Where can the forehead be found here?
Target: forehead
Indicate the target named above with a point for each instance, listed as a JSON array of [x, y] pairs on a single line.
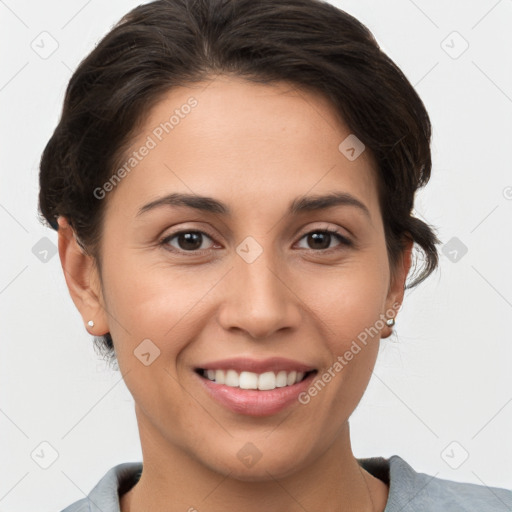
[[243, 141]]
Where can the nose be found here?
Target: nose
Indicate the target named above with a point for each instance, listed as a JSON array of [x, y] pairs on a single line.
[[258, 298]]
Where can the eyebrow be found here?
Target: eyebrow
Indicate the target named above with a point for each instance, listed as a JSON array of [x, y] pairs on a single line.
[[298, 205]]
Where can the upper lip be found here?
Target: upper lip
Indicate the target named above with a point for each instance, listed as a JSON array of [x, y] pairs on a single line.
[[257, 366]]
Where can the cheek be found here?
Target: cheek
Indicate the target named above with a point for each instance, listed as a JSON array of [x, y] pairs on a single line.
[[347, 300], [154, 315], [158, 302]]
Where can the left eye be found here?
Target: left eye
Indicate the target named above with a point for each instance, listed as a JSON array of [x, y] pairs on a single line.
[[187, 240], [322, 239]]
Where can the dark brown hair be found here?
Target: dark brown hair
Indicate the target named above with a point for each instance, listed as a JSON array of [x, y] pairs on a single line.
[[168, 43]]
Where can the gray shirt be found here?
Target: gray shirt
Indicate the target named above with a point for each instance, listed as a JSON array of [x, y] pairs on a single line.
[[409, 491]]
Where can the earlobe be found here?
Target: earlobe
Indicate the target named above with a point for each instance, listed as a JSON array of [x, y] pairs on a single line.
[[82, 280]]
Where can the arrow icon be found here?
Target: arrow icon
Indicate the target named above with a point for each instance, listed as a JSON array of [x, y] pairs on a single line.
[[146, 352], [454, 249], [454, 45], [351, 147], [249, 253], [44, 250], [44, 455]]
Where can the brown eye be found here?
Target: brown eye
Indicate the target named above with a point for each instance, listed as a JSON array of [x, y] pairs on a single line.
[[321, 239], [188, 241]]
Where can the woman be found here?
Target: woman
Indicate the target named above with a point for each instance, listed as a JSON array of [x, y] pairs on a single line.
[[232, 184]]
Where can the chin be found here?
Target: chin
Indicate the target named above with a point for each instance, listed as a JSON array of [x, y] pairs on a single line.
[[263, 469]]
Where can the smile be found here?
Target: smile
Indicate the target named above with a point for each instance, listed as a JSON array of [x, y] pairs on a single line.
[[249, 380]]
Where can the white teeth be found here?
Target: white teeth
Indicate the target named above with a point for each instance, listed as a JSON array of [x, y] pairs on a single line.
[[232, 379], [267, 381], [281, 379], [220, 376], [249, 380], [291, 379]]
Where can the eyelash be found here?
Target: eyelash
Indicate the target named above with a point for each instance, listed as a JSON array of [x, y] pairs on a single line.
[[344, 241]]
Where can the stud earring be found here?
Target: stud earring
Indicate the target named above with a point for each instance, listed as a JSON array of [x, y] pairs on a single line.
[[390, 322], [90, 323]]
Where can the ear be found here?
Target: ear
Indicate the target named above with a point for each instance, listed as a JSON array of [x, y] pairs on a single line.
[[82, 279], [396, 290]]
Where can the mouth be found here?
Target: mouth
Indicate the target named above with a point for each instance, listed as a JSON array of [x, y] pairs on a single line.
[[255, 388], [266, 381]]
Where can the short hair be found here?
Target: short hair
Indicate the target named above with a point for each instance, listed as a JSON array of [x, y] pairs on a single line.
[[168, 43]]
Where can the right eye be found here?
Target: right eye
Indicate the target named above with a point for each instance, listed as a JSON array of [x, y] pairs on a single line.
[[187, 241]]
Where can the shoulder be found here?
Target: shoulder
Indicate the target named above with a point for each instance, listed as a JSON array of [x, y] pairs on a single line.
[[419, 492], [104, 497]]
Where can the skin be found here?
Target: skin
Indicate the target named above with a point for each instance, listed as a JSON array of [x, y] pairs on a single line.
[[256, 148]]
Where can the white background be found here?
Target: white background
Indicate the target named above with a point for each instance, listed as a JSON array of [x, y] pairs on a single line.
[[444, 376]]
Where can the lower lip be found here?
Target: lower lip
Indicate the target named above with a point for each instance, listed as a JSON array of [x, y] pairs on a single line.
[[253, 402]]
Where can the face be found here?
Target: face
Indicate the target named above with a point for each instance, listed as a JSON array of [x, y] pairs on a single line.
[[259, 279]]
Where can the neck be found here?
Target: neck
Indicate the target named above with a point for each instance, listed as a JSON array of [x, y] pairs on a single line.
[[173, 480]]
